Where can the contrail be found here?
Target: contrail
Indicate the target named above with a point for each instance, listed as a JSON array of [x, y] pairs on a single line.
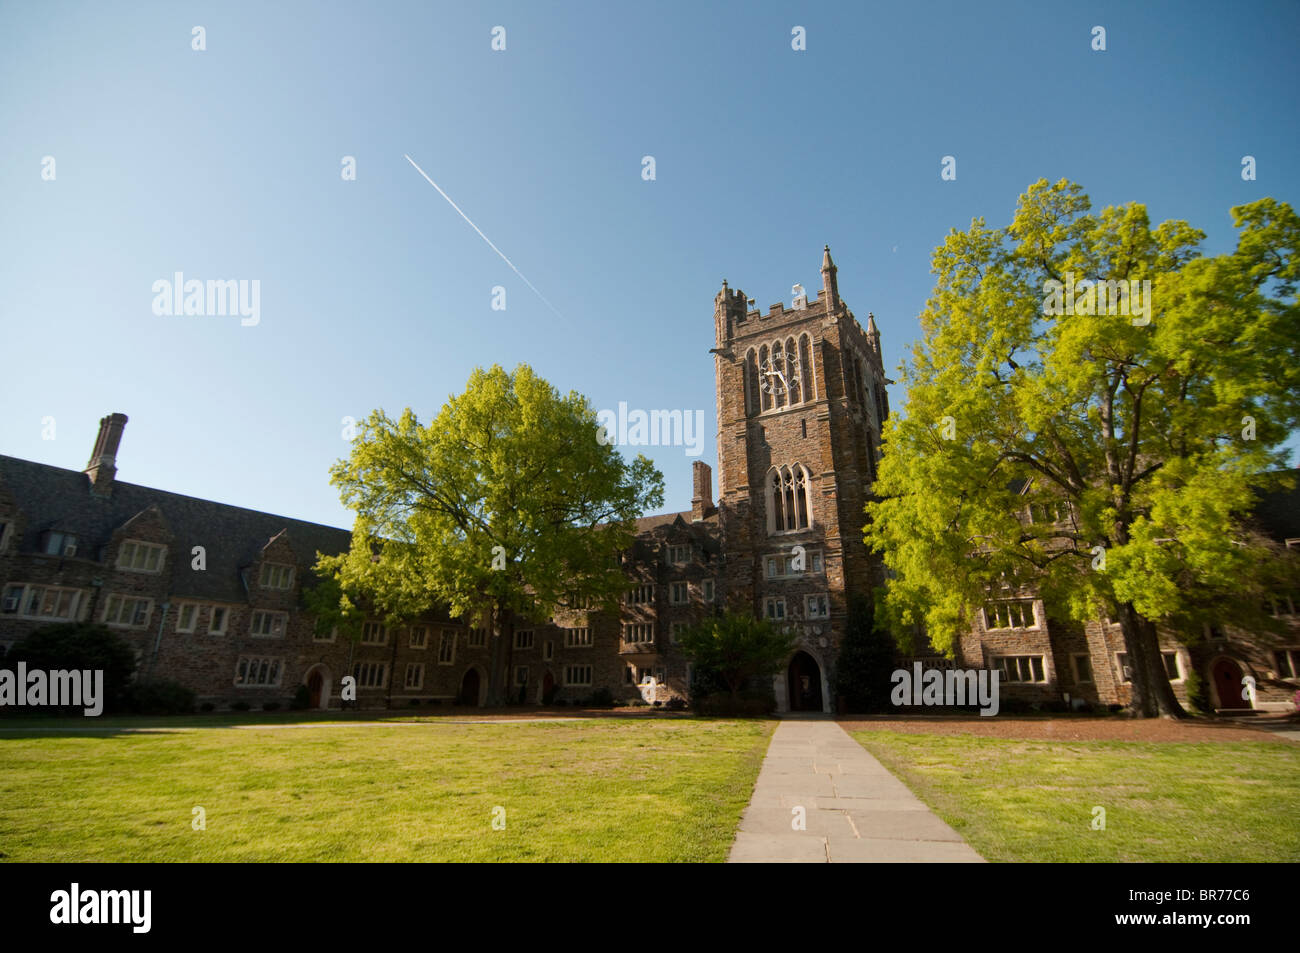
[[484, 237]]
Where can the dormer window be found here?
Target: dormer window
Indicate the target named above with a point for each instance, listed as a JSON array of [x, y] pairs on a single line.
[[60, 544], [276, 576], [135, 556]]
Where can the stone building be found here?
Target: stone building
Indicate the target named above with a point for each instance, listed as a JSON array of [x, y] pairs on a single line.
[[210, 595]]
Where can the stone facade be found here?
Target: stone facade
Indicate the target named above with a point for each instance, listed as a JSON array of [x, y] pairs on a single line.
[[211, 595]]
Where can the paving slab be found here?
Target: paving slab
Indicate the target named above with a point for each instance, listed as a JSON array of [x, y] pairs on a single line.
[[854, 809]]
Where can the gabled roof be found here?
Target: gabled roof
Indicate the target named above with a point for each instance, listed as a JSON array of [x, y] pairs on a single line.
[[232, 537]]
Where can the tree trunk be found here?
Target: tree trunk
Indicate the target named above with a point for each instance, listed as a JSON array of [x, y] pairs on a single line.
[[1153, 696], [496, 676]]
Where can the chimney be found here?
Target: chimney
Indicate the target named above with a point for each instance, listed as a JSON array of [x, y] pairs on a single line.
[[102, 467], [702, 502]]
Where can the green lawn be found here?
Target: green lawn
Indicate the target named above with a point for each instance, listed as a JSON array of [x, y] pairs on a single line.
[[594, 790], [1033, 801]]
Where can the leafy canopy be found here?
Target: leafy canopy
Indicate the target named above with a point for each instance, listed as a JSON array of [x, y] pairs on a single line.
[[506, 499], [1157, 433]]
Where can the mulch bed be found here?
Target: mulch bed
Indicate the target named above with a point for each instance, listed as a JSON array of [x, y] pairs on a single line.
[[1077, 728]]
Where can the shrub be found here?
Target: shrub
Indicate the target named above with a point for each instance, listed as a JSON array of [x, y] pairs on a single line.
[[602, 698], [676, 704], [80, 645], [301, 698], [207, 706], [159, 697], [240, 706], [1198, 692], [561, 702], [271, 706], [866, 662]]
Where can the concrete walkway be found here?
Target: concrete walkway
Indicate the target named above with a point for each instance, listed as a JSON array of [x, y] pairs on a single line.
[[853, 808]]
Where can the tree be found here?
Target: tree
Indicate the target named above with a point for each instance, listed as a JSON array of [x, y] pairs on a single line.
[[734, 648], [509, 503], [1049, 375], [866, 662], [83, 646]]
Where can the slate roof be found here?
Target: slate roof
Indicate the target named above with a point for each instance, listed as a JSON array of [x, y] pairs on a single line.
[[54, 498]]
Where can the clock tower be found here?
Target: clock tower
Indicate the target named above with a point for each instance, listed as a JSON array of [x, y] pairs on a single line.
[[801, 399]]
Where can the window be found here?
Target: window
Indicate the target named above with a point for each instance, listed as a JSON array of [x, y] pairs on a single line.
[[217, 620], [374, 633], [1283, 604], [783, 565], [419, 636], [630, 675], [127, 611], [706, 588], [574, 600], [370, 674], [268, 625], [638, 632], [677, 629], [641, 595], [187, 617], [577, 638], [521, 674], [140, 557], [548, 650], [775, 608], [42, 602], [1287, 662], [276, 576], [679, 593], [321, 634], [253, 671], [1021, 668], [1170, 660], [1015, 614], [477, 638], [414, 675], [577, 675], [1082, 669], [524, 639], [1215, 633], [60, 544], [789, 499], [1171, 665], [819, 606], [677, 555], [447, 647]]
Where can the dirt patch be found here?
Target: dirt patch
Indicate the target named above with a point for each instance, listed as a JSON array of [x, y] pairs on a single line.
[[1079, 728]]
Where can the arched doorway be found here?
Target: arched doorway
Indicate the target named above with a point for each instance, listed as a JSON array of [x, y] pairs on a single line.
[[804, 681], [548, 688], [469, 688], [317, 680], [1226, 675]]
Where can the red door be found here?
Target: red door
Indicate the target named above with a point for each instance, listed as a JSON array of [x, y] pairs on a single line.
[[1227, 682], [314, 685]]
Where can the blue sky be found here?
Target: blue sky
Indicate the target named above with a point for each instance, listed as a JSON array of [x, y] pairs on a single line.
[[225, 164]]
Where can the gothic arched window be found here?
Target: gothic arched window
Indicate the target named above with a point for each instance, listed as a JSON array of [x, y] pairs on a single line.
[[794, 372], [789, 499], [751, 383], [765, 382], [806, 368]]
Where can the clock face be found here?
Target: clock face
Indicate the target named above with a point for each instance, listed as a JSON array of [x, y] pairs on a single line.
[[777, 381]]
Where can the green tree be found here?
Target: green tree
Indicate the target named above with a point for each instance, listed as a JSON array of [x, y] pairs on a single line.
[[79, 645], [733, 648], [509, 503], [1155, 429], [866, 661]]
